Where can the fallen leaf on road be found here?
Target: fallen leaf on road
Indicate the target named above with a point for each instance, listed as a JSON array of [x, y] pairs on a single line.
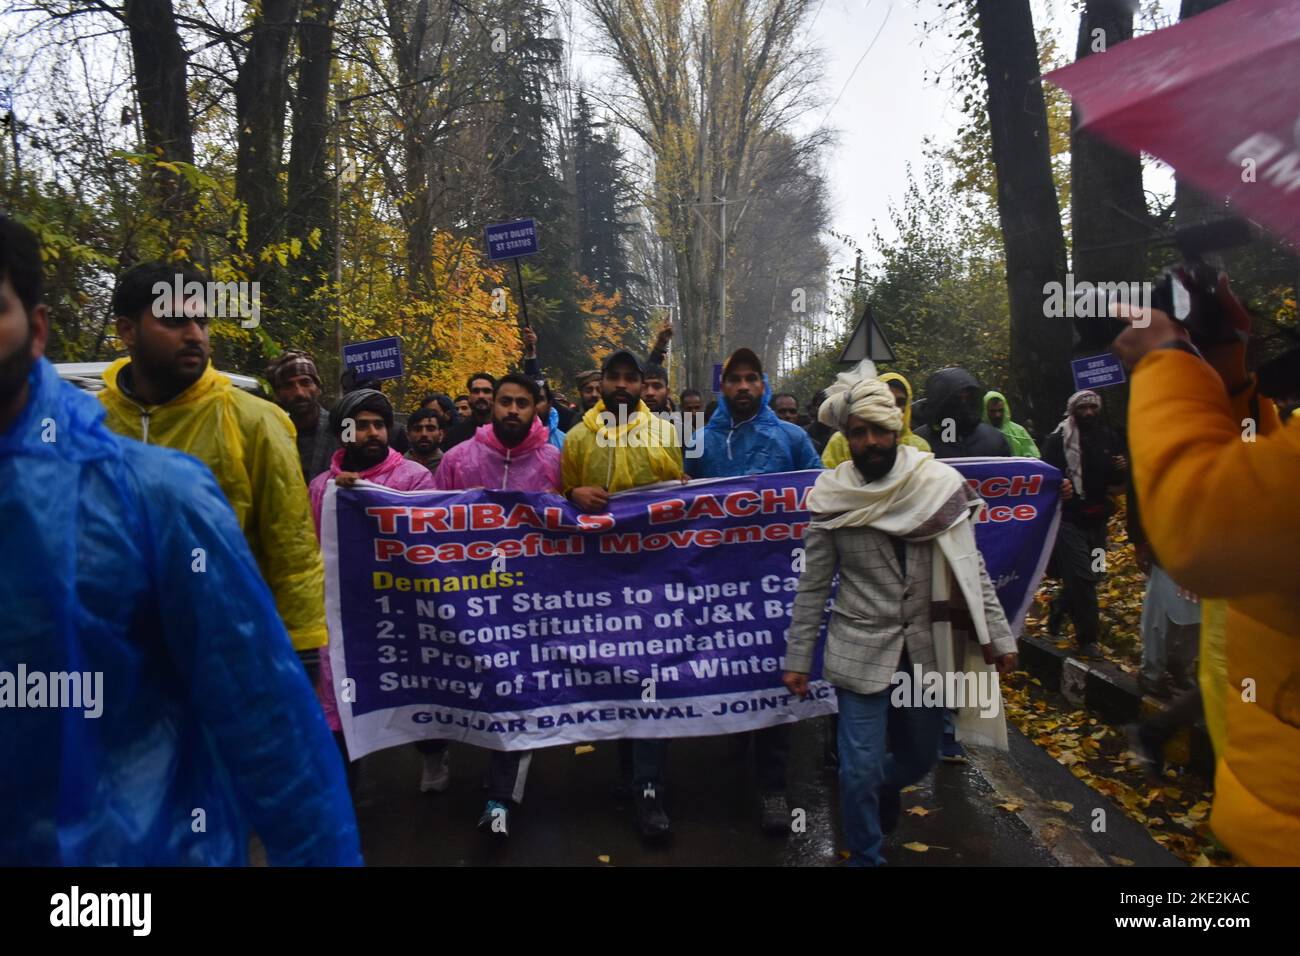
[[921, 847], [1011, 806], [603, 858], [1120, 861], [584, 749], [919, 811], [909, 788], [1061, 805]]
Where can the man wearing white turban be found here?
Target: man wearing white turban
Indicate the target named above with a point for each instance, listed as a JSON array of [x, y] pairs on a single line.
[[897, 524]]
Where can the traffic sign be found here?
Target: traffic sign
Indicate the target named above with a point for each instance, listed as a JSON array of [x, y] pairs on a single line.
[[867, 341]]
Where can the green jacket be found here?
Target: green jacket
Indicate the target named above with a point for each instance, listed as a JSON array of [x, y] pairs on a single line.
[[1022, 445]]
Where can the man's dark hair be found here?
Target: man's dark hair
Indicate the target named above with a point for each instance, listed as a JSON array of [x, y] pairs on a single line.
[[20, 260], [419, 415], [657, 372], [523, 381], [135, 288], [815, 403], [463, 398], [469, 382], [788, 395], [692, 391]]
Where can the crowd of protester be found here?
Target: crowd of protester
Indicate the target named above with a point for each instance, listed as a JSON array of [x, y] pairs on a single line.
[[173, 452]]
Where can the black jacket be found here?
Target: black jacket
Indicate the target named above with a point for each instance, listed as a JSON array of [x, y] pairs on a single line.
[[984, 442], [1098, 449]]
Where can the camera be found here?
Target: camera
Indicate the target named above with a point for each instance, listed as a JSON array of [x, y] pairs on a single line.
[[1188, 292]]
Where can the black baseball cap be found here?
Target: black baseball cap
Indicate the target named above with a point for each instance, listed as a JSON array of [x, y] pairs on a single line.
[[623, 355]]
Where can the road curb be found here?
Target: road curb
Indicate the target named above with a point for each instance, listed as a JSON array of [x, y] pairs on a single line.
[[1108, 693]]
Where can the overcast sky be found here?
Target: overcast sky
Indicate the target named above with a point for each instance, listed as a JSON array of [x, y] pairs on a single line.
[[877, 59]]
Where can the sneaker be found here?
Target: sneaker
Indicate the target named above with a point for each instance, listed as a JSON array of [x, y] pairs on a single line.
[[495, 819], [774, 813], [1159, 689], [1149, 756], [950, 751], [651, 820], [891, 807], [437, 772], [1055, 618], [1092, 650]]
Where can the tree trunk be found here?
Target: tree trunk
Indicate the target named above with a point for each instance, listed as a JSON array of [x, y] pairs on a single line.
[[1108, 205], [1191, 205], [260, 93], [161, 84], [1027, 206], [310, 196]]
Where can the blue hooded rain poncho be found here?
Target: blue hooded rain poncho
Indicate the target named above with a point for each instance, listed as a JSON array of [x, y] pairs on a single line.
[[125, 560], [763, 445]]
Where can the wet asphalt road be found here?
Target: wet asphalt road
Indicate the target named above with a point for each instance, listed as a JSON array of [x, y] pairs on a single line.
[[571, 818]]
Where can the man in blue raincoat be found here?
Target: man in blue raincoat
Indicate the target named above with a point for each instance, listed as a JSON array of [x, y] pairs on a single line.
[[745, 437], [152, 708]]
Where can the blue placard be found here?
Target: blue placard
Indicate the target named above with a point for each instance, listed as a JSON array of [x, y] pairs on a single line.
[[717, 377], [1097, 371], [376, 359], [507, 240]]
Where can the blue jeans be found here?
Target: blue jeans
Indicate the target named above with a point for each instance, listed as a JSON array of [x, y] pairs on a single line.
[[866, 722]]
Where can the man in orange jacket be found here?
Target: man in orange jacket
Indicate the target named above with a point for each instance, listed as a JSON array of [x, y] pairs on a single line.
[[1215, 471]]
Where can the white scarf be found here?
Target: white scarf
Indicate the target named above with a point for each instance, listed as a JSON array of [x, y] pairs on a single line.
[[923, 499], [1070, 437]]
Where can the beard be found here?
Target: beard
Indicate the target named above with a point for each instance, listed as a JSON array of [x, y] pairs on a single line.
[[164, 368], [619, 399], [15, 369], [365, 455], [875, 465], [511, 433]]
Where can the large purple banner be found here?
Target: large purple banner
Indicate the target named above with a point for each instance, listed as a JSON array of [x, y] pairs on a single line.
[[512, 621]]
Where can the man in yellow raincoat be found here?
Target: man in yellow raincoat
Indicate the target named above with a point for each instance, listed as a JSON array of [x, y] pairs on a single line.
[[167, 393], [617, 445], [1215, 471]]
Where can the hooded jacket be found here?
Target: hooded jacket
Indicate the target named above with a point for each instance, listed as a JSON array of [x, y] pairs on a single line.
[[556, 436], [1021, 442], [204, 702], [837, 449], [643, 451], [1223, 519], [397, 472], [250, 445], [762, 445], [483, 462], [984, 441]]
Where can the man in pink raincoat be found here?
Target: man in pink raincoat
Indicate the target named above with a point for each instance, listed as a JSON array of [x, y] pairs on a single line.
[[511, 452], [362, 420]]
